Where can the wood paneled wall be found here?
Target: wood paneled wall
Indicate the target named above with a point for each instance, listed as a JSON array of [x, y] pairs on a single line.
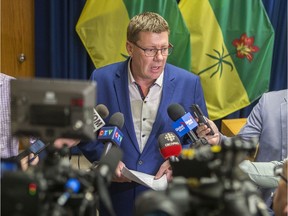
[[17, 38]]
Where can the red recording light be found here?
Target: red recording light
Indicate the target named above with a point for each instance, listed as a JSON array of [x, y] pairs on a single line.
[[32, 189], [77, 102]]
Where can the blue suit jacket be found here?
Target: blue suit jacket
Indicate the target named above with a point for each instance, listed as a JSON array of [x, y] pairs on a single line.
[[179, 86]]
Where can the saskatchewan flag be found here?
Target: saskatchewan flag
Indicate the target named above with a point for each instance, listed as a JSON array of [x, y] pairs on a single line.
[[103, 24], [231, 49]]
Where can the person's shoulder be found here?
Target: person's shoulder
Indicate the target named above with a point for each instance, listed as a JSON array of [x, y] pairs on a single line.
[[276, 94], [177, 71], [175, 68], [110, 68], [113, 65], [273, 99], [6, 77]]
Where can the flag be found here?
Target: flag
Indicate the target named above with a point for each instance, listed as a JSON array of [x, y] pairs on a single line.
[[103, 24], [231, 51]]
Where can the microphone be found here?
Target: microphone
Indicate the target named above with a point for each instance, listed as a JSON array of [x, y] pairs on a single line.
[[183, 123], [108, 164], [170, 147], [71, 186], [100, 112], [111, 135], [104, 173]]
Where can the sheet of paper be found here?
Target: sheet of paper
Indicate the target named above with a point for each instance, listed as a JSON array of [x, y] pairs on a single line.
[[146, 179]]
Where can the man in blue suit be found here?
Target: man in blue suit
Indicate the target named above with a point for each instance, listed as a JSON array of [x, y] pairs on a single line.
[[142, 88]]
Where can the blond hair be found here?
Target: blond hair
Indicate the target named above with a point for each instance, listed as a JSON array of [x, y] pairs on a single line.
[[146, 22]]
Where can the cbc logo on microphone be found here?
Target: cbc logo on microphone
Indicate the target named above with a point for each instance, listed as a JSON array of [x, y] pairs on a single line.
[[169, 137]]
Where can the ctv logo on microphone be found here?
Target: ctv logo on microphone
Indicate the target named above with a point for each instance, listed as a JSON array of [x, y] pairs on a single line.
[[184, 124], [110, 134]]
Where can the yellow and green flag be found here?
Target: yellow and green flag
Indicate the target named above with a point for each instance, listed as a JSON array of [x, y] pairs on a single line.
[[231, 50], [228, 43], [103, 24]]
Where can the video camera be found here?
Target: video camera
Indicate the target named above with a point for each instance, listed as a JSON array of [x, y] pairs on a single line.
[[207, 182], [50, 109], [53, 188]]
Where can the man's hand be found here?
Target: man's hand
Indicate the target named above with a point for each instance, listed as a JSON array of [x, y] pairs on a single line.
[[59, 143], [118, 177], [165, 168], [203, 130], [28, 161]]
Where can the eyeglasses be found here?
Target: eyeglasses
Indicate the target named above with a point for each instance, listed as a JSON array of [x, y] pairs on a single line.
[[153, 52], [278, 171]]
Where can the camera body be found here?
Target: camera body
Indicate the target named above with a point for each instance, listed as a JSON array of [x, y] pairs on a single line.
[[36, 191], [54, 188], [207, 182], [53, 108], [29, 189]]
